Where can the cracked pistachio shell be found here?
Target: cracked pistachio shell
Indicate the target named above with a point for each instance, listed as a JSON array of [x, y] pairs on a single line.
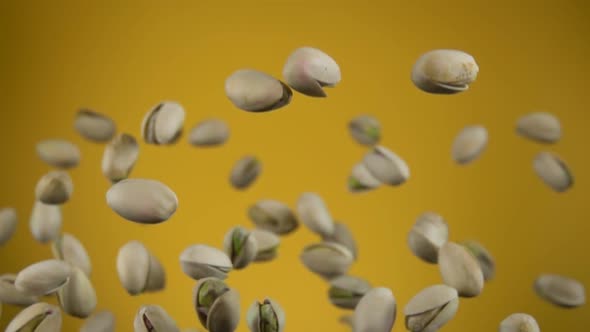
[[211, 132], [365, 130], [444, 71], [273, 216], [163, 124], [142, 201], [153, 318], [9, 294], [314, 214], [68, 248], [386, 166], [429, 233], [59, 153], [101, 321], [244, 172], [266, 316], [519, 323], [562, 291], [361, 179], [43, 278], [267, 244], [484, 258], [39, 317], [240, 247], [216, 305], [77, 297], [201, 261], [93, 126], [254, 91], [308, 70], [346, 291], [375, 312], [542, 127], [139, 271], [54, 188], [469, 144], [432, 308], [553, 171], [8, 221], [45, 222], [119, 157], [460, 270], [343, 236], [327, 259]]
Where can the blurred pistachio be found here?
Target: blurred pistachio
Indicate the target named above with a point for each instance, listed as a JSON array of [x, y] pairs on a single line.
[[59, 153], [38, 317], [560, 290], [266, 316], [327, 259], [460, 270], [202, 261], [240, 247], [139, 271], [343, 236], [542, 127], [314, 214], [346, 291], [216, 305], [208, 133], [429, 233], [254, 91], [308, 70], [365, 130], [119, 157], [8, 221], [267, 244], [101, 321], [432, 308], [386, 166], [469, 144], [375, 312], [77, 297], [484, 258], [273, 216], [244, 172], [94, 126], [43, 278], [554, 172], [361, 179], [9, 294], [153, 318], [45, 222], [163, 124], [519, 323], [68, 248]]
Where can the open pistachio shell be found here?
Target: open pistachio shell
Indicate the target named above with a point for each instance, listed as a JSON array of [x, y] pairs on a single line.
[[562, 291], [217, 305], [542, 127], [101, 321], [346, 291], [245, 172], [519, 323], [432, 308], [444, 71], [273, 216], [162, 125], [375, 312], [484, 258], [55, 187], [59, 153], [119, 157], [327, 259], [77, 297], [38, 317], [68, 248], [429, 233], [365, 129], [94, 126], [361, 179], [9, 294], [44, 277], [45, 222], [314, 214], [240, 247], [343, 236], [8, 221], [308, 70], [202, 261], [386, 166], [267, 244], [266, 316], [554, 172], [211, 132], [469, 144], [153, 318], [460, 270], [254, 91]]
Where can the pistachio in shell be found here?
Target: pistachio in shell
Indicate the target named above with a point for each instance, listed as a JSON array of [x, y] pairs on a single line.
[[541, 127], [484, 258], [314, 214], [431, 308], [386, 166], [38, 317], [68, 248], [428, 234], [43, 278], [327, 259], [9, 294], [45, 222], [254, 91], [217, 306], [77, 297], [153, 318], [273, 216], [519, 322], [361, 179], [54, 188], [365, 130], [244, 172], [469, 144], [343, 236], [201, 261], [101, 321], [240, 247], [444, 71], [553, 171], [209, 133], [163, 124], [94, 126], [460, 270], [119, 157], [560, 290], [59, 153], [266, 316], [267, 243], [375, 312], [139, 271], [346, 291], [8, 221], [308, 70]]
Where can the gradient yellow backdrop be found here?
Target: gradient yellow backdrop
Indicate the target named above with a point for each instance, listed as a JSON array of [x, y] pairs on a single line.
[[121, 58]]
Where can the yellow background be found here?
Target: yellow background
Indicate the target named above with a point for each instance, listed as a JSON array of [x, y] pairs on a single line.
[[122, 58]]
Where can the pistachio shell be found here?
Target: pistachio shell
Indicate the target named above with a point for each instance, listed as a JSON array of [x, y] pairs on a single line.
[[427, 235], [519, 323], [153, 318], [245, 172], [361, 179], [68, 248], [469, 144], [267, 244], [211, 132], [386, 166], [432, 308], [101, 321], [542, 127], [59, 153], [266, 316], [9, 294], [365, 130], [119, 157], [460, 270], [133, 266], [273, 216], [328, 260], [309, 69], [346, 291], [54, 188], [39, 317], [202, 261], [162, 125], [254, 91], [343, 236], [77, 297], [554, 172], [156, 277], [444, 71], [375, 312], [43, 278], [94, 126], [314, 214], [240, 247], [485, 260], [217, 305], [142, 201], [560, 290], [8, 221], [45, 222]]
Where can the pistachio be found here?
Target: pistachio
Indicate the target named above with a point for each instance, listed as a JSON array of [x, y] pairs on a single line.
[[375, 312], [314, 214], [211, 132], [343, 236], [346, 291], [460, 270], [273, 216], [365, 130], [119, 157], [361, 179], [485, 260], [162, 125], [444, 71], [43, 278], [45, 222], [9, 294], [8, 221], [542, 127], [68, 248], [94, 126], [469, 144], [267, 244], [562, 291], [216, 305], [327, 259], [254, 91], [202, 261], [308, 70], [153, 318], [432, 308], [54, 188], [245, 172], [240, 247], [142, 201], [427, 235], [266, 316], [101, 321], [386, 166], [77, 297], [554, 172], [519, 323], [59, 153], [139, 271], [38, 317]]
